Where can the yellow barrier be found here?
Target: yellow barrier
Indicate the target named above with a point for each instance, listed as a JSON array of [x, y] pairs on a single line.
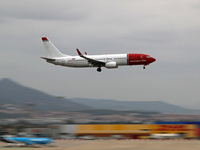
[[188, 131]]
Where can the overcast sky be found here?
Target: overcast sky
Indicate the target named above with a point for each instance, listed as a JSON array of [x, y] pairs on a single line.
[[168, 30]]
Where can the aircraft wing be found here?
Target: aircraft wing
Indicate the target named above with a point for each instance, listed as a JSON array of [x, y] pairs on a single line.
[[93, 62]]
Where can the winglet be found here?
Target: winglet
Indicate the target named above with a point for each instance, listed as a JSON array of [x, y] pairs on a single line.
[[44, 39], [79, 53]]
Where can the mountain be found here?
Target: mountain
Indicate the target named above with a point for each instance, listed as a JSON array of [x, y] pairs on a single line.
[[14, 93], [156, 106]]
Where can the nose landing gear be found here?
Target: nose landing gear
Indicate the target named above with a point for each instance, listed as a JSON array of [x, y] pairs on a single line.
[[99, 69], [144, 67]]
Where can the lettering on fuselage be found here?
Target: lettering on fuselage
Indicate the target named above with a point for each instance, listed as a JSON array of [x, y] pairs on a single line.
[[171, 128], [136, 59]]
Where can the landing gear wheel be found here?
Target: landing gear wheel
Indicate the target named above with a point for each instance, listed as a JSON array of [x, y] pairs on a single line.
[[144, 67], [99, 69]]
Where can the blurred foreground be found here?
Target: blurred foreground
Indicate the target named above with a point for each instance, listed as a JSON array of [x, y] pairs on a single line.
[[120, 144], [105, 127], [25, 112], [99, 124]]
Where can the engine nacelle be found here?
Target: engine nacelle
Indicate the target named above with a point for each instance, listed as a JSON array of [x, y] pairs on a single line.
[[111, 65]]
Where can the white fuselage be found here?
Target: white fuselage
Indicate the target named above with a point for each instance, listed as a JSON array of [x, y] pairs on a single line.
[[77, 61]]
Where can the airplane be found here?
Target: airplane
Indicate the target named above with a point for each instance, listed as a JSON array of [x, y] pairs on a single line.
[[26, 140], [108, 61]]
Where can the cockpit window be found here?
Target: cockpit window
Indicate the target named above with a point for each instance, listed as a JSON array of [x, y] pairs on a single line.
[[148, 56]]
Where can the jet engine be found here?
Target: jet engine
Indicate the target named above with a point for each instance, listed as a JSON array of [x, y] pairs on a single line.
[[111, 65]]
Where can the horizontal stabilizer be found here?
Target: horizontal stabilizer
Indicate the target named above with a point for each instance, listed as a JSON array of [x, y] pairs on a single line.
[[48, 59]]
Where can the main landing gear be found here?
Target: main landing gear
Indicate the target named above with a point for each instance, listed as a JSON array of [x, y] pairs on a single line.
[[99, 69], [144, 67]]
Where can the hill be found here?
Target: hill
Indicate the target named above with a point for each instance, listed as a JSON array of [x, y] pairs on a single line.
[[14, 93], [156, 106]]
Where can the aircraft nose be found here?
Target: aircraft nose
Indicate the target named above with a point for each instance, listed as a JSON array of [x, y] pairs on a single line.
[[153, 59]]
